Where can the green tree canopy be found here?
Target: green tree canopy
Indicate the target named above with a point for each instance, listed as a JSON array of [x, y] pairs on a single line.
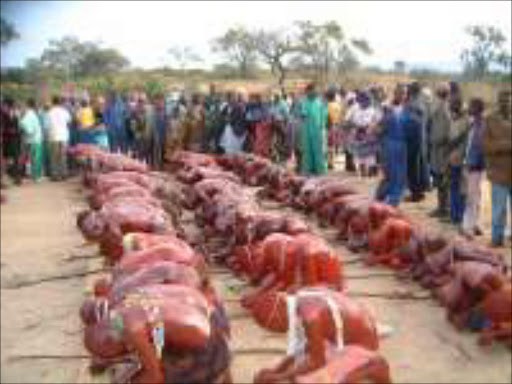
[[487, 50], [8, 32], [74, 58]]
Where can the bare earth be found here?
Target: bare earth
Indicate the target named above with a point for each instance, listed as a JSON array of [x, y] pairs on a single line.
[[38, 232]]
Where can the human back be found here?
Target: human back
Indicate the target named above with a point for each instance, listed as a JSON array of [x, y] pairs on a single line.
[[58, 119]]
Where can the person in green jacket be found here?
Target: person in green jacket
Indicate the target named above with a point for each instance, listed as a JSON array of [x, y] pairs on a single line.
[[313, 133], [33, 136]]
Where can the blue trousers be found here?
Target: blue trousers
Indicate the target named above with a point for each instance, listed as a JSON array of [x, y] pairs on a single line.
[[395, 172], [414, 165], [499, 196], [457, 199]]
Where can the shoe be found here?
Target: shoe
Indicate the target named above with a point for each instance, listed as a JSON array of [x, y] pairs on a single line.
[[477, 231], [466, 234], [438, 213], [496, 244], [415, 198]]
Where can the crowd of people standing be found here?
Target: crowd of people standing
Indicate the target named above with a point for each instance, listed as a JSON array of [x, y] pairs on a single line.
[[415, 139]]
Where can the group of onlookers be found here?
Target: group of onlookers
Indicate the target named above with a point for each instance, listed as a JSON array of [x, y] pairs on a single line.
[[415, 138]]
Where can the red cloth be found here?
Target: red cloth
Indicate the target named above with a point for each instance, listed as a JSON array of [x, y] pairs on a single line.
[[262, 138]]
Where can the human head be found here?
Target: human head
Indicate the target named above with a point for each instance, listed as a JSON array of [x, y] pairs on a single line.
[[8, 102], [442, 91], [56, 100], [363, 99], [398, 94], [454, 89], [196, 99], [100, 338], [456, 106], [92, 224], [330, 95], [311, 89], [84, 103], [476, 107], [31, 103], [413, 90]]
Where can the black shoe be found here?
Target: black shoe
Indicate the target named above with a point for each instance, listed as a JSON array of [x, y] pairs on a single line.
[[415, 198], [478, 232], [440, 213], [496, 244]]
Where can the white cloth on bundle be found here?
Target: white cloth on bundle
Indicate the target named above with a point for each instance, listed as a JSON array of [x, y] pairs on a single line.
[[296, 337], [230, 142]]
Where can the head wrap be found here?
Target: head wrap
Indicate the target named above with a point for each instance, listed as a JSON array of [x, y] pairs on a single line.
[[363, 98]]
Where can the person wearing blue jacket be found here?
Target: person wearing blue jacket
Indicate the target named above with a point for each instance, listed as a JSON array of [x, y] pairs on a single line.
[[394, 151]]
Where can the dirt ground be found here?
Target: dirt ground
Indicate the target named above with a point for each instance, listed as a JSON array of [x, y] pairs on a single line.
[[38, 233]]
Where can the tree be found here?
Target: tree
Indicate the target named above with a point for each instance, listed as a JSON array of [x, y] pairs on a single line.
[[238, 46], [75, 59], [399, 66], [14, 75], [183, 55], [274, 47], [8, 32], [63, 55], [96, 61], [488, 49], [325, 49]]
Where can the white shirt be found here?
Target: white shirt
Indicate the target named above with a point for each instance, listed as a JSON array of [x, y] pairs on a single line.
[[363, 117], [58, 120]]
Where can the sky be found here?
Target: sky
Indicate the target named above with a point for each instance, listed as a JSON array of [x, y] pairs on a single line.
[[421, 33]]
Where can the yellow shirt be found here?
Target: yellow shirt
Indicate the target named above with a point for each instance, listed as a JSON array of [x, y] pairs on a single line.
[[86, 117], [334, 112]]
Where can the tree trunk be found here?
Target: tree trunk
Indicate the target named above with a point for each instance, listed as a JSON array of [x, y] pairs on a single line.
[[282, 76]]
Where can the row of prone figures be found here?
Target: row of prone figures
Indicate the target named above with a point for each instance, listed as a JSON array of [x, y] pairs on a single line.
[[472, 281], [158, 313], [296, 279], [155, 316]]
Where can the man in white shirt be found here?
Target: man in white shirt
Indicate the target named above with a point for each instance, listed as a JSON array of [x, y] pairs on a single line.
[[58, 135]]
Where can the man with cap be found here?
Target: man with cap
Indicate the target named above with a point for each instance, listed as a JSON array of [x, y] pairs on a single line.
[[497, 143]]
